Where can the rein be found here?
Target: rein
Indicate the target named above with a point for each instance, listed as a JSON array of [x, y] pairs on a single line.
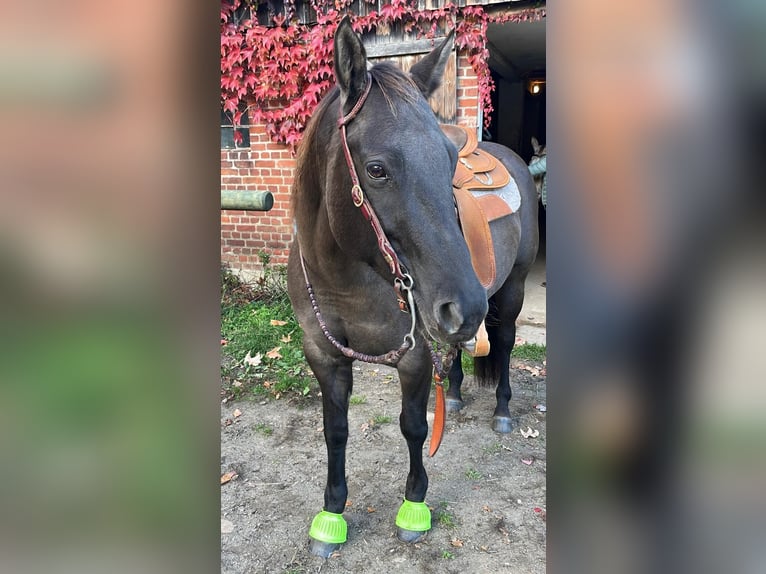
[[403, 286]]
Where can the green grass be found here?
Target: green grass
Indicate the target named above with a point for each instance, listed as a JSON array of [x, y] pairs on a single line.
[[530, 351], [493, 448], [447, 555], [261, 322], [263, 429], [381, 419], [444, 517], [357, 400], [473, 474]]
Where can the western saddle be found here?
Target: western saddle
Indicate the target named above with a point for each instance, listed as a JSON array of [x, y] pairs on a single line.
[[479, 171]]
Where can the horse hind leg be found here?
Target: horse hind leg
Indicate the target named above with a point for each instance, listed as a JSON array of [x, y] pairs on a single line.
[[328, 529], [495, 368], [414, 518], [454, 399]]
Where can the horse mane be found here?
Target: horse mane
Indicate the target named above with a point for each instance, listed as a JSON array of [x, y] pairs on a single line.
[[395, 85]]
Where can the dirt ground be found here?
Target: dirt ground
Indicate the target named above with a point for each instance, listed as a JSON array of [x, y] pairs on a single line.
[[487, 501]]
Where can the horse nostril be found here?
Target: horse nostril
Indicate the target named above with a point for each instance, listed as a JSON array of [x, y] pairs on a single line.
[[450, 317]]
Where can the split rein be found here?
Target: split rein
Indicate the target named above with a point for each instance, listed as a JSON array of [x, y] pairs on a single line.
[[403, 286]]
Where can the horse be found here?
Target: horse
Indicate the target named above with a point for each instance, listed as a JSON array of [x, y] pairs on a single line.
[[377, 234], [538, 169]]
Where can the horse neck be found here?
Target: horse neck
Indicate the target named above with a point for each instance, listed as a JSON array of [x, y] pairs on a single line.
[[315, 235]]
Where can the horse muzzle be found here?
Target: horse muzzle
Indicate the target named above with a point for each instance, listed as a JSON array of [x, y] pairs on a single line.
[[457, 320]]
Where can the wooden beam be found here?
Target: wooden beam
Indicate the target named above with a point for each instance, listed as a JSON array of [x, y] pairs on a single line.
[[402, 48]]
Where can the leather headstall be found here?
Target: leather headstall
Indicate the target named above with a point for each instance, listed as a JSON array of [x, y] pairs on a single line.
[[402, 279]]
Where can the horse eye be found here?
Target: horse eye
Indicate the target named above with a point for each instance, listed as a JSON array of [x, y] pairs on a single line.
[[376, 171]]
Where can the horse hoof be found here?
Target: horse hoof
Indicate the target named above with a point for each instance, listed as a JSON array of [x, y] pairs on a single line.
[[322, 549], [410, 536], [413, 521], [454, 405], [502, 425], [328, 531]]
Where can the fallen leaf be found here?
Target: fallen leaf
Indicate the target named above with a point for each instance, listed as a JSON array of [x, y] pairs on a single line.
[[348, 503], [529, 433], [534, 371], [486, 508], [224, 342], [267, 384], [227, 476], [456, 542], [528, 461], [278, 323], [278, 395], [228, 422], [236, 384], [253, 361], [370, 509], [538, 509], [274, 353], [236, 413], [484, 548], [227, 526], [287, 338]]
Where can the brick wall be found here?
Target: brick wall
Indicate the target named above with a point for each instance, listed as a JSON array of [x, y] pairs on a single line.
[[264, 166], [467, 93], [267, 166]]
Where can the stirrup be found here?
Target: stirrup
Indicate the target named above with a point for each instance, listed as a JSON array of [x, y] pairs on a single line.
[[478, 346]]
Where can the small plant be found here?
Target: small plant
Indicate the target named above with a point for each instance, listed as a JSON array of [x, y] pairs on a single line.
[[466, 361], [263, 429], [530, 351], [381, 419], [261, 338], [447, 555], [357, 399], [493, 448], [473, 474], [444, 517]]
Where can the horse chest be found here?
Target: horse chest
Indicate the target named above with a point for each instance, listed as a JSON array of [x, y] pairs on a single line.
[[369, 317]]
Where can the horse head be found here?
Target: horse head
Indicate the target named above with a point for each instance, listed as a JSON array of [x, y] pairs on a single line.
[[404, 164]]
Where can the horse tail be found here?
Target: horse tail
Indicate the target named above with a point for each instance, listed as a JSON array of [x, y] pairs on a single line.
[[486, 370]]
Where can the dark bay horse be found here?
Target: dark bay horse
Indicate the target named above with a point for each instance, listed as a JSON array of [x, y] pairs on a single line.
[[377, 233]]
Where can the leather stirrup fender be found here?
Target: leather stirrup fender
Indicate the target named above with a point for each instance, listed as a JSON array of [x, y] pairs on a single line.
[[477, 236]]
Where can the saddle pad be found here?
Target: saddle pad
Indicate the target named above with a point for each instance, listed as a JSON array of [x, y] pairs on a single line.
[[509, 195]]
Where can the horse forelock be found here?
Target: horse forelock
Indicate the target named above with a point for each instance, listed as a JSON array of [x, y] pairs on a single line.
[[394, 84]]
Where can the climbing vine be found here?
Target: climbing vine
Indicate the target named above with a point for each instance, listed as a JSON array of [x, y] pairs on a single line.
[[279, 70]]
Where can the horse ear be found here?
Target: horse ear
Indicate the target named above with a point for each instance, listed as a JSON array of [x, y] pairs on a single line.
[[535, 145], [350, 63], [428, 72]]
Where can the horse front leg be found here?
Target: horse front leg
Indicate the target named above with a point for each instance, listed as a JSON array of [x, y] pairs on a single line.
[[328, 529], [414, 518]]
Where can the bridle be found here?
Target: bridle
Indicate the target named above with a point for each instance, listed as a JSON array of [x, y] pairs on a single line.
[[403, 284]]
